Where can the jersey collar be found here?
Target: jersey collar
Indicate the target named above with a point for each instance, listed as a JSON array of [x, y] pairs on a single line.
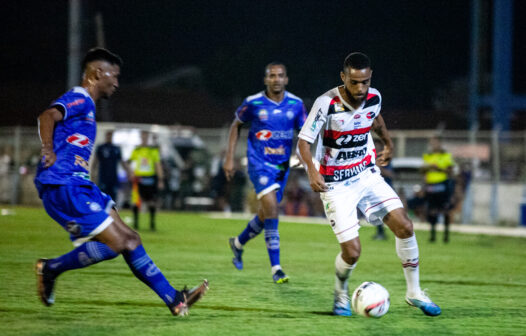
[[82, 91], [344, 102], [285, 94]]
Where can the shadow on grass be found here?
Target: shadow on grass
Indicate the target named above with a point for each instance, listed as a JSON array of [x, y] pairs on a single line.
[[282, 313]]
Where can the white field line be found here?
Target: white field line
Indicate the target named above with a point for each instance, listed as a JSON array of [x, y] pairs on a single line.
[[461, 228]]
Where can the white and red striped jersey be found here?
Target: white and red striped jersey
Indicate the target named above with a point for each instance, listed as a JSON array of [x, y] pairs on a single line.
[[345, 146]]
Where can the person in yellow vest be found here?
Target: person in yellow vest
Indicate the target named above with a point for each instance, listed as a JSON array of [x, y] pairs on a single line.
[[438, 170], [148, 178]]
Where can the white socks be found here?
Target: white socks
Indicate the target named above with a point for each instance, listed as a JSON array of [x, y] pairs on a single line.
[[237, 244], [343, 272], [407, 250]]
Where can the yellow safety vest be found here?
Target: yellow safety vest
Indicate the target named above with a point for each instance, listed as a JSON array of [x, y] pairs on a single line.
[[442, 160]]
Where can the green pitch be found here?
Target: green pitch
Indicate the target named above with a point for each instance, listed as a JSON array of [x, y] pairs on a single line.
[[479, 281]]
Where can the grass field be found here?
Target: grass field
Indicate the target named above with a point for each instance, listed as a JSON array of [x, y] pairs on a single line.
[[479, 281]]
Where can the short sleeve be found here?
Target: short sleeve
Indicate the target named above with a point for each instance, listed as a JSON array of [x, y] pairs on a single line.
[[315, 121], [244, 112]]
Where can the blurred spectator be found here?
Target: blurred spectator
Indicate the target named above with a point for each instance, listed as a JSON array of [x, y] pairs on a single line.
[[148, 178], [295, 199], [107, 158], [5, 163], [438, 169], [417, 203]]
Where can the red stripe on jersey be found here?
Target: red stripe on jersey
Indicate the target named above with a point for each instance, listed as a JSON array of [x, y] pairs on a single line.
[[329, 170], [335, 100], [370, 95], [335, 134]]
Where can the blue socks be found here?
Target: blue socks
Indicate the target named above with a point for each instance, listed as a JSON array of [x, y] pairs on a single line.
[[253, 228], [145, 270], [85, 255], [272, 240]]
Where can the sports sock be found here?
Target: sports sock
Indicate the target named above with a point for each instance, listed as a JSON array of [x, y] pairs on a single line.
[[152, 217], [407, 250], [85, 255], [253, 228], [272, 240], [135, 217], [145, 270], [342, 274]]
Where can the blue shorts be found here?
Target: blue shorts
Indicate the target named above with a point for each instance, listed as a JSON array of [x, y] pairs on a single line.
[[83, 211], [267, 178]]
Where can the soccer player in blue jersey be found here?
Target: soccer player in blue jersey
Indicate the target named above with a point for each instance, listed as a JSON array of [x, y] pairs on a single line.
[[67, 130], [274, 115]]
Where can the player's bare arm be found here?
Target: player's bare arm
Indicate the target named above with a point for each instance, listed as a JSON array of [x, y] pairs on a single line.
[[233, 136], [315, 179], [380, 129], [46, 125]]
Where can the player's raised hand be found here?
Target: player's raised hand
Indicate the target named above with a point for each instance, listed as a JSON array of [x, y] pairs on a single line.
[[384, 157], [316, 181], [48, 156], [228, 168]]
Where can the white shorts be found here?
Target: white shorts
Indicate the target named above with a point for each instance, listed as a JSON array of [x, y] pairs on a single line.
[[370, 193]]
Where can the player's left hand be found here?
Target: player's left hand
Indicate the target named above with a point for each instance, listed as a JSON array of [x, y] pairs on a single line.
[[384, 157]]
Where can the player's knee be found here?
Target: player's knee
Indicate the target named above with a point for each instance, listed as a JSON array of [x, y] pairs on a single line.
[[132, 240]]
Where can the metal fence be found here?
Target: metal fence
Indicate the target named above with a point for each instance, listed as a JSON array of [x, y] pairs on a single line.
[[496, 161]]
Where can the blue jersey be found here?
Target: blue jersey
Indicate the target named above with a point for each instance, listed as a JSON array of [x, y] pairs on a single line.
[[272, 127], [73, 140]]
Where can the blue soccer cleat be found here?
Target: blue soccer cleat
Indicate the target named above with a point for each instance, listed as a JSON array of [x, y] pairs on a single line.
[[280, 277], [425, 304], [342, 306], [237, 261]]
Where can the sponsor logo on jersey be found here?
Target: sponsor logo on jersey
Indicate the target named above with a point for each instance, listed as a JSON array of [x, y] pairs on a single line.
[[292, 102], [357, 124], [355, 138], [357, 116], [263, 114], [370, 115], [264, 135], [344, 155], [90, 116], [341, 173], [276, 111], [316, 119], [75, 102], [79, 161], [78, 140], [274, 151]]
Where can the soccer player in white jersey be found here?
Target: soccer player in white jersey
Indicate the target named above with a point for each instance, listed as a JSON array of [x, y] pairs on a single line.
[[348, 178]]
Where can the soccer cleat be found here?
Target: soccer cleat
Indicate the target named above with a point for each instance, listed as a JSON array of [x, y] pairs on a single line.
[[195, 294], [237, 261], [425, 304], [45, 283], [342, 306], [186, 298], [280, 277]]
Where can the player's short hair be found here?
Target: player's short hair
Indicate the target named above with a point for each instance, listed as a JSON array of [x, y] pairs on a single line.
[[101, 54], [357, 60], [275, 63]]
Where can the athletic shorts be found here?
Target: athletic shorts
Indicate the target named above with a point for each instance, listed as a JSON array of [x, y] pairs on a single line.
[[83, 211], [438, 196], [268, 178], [148, 188], [369, 192]]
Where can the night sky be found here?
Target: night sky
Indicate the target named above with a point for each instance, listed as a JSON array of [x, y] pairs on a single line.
[[417, 48]]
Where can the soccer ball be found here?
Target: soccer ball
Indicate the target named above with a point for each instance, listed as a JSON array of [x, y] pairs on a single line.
[[370, 300]]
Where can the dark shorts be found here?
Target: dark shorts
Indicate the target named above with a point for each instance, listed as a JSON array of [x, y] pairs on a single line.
[[148, 188], [438, 196]]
